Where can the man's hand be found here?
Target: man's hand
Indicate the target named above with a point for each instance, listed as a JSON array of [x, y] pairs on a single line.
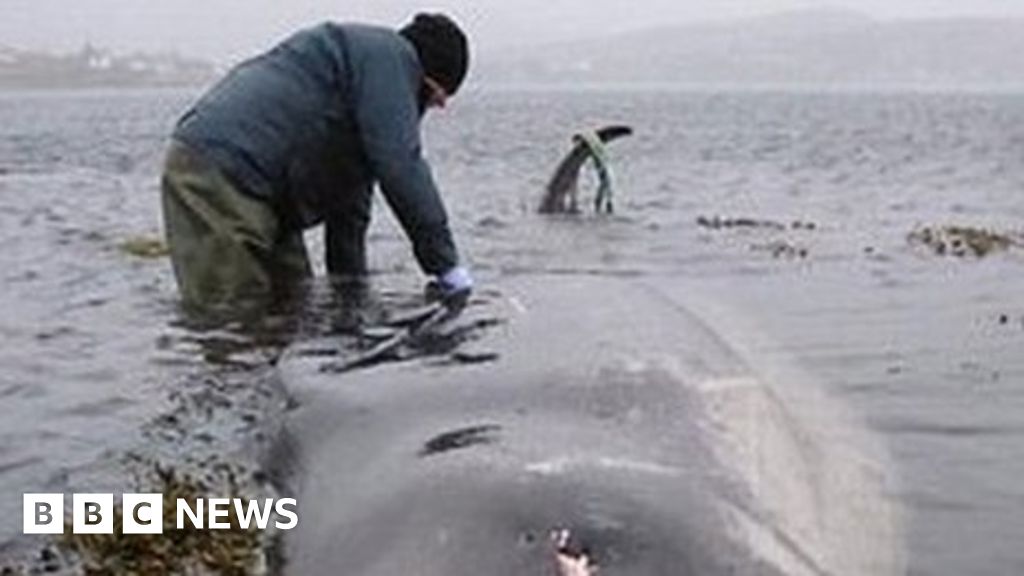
[[452, 288]]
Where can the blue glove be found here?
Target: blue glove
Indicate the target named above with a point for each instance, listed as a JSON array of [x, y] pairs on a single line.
[[452, 288]]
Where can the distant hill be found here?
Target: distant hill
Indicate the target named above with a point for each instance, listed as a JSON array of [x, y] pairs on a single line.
[[92, 68], [812, 48]]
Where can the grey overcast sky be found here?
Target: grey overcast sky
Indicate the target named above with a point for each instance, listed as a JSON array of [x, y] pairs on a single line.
[[224, 30]]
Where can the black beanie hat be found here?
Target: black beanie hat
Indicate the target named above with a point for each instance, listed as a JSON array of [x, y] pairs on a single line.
[[442, 48]]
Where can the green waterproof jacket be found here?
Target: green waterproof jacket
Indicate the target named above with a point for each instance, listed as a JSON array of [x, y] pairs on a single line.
[[313, 124]]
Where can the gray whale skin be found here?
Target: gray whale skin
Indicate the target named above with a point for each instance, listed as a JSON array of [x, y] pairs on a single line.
[[613, 411]]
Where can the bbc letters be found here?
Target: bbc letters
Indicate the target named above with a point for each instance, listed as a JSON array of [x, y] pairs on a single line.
[[144, 513]]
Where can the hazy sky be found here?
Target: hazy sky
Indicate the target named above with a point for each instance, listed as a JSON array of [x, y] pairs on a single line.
[[227, 29]]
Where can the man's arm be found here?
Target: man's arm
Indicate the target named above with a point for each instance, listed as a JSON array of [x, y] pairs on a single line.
[[388, 117]]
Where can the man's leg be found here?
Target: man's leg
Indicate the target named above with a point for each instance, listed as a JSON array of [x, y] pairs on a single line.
[[345, 233], [289, 267], [345, 245], [221, 241]]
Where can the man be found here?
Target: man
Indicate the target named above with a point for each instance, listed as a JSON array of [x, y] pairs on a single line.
[[298, 136]]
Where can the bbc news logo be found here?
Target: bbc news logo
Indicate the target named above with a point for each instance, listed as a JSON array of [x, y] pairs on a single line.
[[144, 513]]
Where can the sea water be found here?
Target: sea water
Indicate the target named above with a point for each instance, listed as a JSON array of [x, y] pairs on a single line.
[[925, 348]]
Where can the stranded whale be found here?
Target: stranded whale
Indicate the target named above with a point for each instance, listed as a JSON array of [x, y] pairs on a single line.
[[628, 422]]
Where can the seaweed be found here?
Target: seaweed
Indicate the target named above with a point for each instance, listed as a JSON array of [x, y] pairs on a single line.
[[722, 223], [962, 241], [144, 247], [781, 249], [234, 551]]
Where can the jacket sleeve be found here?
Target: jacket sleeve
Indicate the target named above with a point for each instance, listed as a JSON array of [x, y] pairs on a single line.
[[388, 119]]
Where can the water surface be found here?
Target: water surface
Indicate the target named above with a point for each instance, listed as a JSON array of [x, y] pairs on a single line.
[[925, 349]]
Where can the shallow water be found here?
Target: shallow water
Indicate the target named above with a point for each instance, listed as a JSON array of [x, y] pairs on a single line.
[[925, 349]]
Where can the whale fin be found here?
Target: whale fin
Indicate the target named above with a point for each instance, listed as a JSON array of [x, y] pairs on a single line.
[[562, 185]]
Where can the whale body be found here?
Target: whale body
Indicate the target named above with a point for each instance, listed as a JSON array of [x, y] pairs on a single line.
[[628, 421]]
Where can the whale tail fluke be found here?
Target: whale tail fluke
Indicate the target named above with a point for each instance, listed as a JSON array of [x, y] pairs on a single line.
[[562, 189]]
